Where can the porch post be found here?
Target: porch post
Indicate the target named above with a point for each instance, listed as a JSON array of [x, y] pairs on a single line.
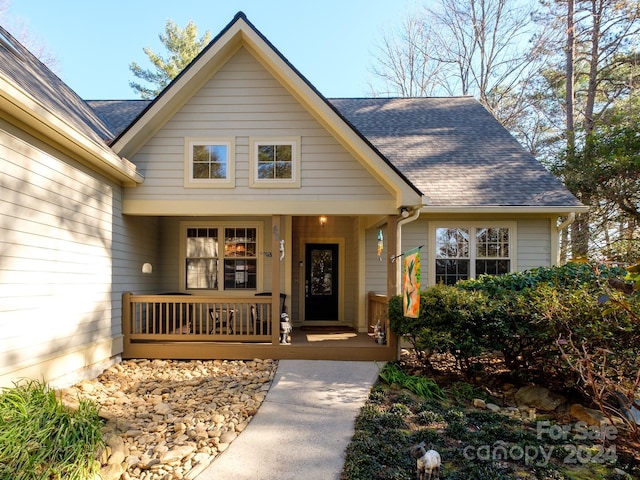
[[392, 241], [126, 320], [392, 276], [276, 221]]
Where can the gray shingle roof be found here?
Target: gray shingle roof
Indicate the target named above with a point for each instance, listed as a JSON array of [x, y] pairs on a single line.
[[118, 114], [47, 89], [455, 152], [450, 148]]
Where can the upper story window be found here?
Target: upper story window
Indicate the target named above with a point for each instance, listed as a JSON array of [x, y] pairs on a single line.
[[275, 162], [209, 162], [467, 251]]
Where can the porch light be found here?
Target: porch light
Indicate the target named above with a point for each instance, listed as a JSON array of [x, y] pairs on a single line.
[[323, 220], [147, 268]]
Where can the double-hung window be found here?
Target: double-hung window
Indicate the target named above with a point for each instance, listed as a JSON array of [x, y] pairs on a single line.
[[240, 258], [275, 162], [221, 257], [202, 257], [469, 250], [209, 162]]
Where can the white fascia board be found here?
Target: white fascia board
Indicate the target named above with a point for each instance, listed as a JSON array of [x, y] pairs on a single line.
[[252, 207]]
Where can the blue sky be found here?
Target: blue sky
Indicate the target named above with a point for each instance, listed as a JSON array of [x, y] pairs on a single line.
[[331, 42]]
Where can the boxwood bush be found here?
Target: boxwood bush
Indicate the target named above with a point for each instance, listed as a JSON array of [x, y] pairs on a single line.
[[526, 316]]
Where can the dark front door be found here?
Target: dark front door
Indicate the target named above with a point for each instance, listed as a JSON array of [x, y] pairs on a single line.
[[321, 281]]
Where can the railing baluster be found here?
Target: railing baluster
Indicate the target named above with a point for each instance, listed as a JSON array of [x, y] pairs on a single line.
[[198, 318]]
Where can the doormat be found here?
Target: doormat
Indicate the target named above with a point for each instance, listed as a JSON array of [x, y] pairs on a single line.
[[328, 329]]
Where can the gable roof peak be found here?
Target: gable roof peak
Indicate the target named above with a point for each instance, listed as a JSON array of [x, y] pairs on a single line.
[[239, 15]]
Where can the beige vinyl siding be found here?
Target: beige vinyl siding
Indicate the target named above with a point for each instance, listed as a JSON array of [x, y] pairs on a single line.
[[376, 278], [59, 310], [242, 101], [534, 243]]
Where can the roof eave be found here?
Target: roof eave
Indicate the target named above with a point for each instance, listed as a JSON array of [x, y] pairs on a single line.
[[18, 104], [555, 210]]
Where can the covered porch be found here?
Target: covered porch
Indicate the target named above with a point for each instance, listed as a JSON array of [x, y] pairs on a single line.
[[198, 327], [196, 324]]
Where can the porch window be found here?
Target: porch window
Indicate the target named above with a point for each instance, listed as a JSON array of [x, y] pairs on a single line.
[[202, 259], [221, 257], [209, 162], [275, 163], [467, 251], [240, 258]]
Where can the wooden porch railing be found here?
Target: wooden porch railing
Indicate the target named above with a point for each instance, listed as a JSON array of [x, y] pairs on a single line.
[[191, 326], [176, 318], [377, 316]]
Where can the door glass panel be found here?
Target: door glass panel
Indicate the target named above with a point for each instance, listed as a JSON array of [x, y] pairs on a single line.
[[321, 272]]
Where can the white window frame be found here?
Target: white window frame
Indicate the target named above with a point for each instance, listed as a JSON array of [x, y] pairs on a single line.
[[221, 225], [472, 226], [293, 182], [228, 181]]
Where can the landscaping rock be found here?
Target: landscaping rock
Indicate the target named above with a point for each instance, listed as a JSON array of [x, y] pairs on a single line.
[[539, 397], [587, 415], [170, 419], [479, 403]]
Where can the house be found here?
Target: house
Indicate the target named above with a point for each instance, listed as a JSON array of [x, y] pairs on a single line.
[[240, 178]]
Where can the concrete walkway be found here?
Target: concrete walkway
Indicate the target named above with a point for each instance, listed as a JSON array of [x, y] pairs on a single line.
[[303, 426]]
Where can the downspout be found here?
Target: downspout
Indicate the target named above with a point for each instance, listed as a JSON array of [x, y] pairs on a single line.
[[570, 219], [403, 221]]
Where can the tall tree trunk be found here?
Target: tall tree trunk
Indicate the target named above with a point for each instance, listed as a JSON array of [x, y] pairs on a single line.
[[569, 96], [580, 227]]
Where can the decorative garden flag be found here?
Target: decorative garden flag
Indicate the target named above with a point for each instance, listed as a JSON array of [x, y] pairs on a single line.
[[411, 283], [380, 244]]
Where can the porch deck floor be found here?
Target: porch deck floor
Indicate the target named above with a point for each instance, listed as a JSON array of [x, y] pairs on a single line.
[[304, 346], [332, 340]]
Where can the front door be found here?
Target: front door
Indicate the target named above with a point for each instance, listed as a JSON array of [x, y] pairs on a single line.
[[321, 281]]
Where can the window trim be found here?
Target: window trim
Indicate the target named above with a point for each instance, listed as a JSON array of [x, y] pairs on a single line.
[[221, 225], [293, 182], [228, 181], [472, 225]]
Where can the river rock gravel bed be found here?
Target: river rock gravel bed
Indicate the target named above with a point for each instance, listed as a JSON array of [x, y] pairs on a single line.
[[169, 419]]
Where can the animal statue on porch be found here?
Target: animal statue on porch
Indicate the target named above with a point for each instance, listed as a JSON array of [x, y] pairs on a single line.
[[428, 462], [285, 328], [379, 334]]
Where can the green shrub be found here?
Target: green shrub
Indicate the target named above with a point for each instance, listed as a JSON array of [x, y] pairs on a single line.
[[570, 275], [450, 320], [524, 315], [535, 320], [42, 439]]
